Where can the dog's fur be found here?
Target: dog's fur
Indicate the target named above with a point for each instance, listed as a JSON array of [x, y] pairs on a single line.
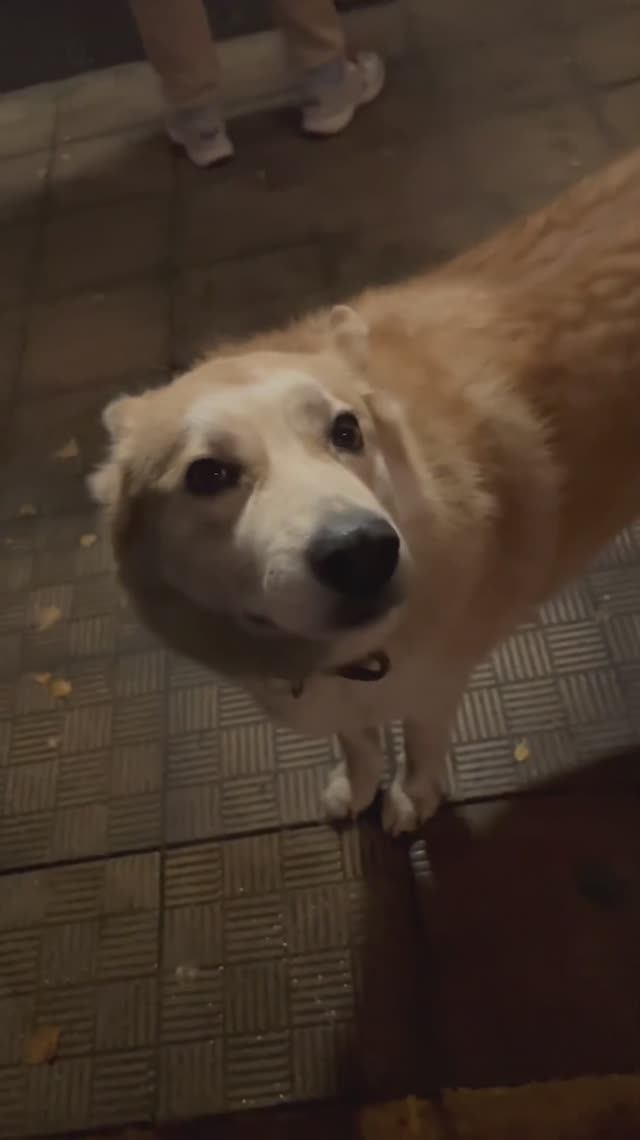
[[499, 399]]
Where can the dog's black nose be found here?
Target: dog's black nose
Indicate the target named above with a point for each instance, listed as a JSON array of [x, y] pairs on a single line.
[[355, 554]]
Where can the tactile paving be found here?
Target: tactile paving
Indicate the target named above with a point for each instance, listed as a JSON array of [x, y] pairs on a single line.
[[219, 976], [147, 747]]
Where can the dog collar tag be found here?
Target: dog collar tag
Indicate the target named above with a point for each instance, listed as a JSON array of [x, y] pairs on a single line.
[[372, 668]]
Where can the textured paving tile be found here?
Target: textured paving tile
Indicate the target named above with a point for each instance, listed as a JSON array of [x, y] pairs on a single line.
[[265, 987], [258, 218], [238, 298], [23, 182], [96, 337], [18, 243], [26, 121], [110, 168], [11, 339], [298, 198], [619, 110], [603, 49], [127, 240], [79, 954], [424, 235], [530, 156], [50, 477], [268, 959]]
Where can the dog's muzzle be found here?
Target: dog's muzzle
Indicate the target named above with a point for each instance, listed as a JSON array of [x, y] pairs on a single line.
[[355, 554]]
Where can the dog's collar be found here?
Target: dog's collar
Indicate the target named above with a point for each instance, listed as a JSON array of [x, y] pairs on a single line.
[[371, 668]]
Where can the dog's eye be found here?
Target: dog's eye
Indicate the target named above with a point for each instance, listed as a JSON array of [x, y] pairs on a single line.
[[345, 432], [210, 476]]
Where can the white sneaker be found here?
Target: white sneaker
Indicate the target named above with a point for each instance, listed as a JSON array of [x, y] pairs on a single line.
[[202, 134], [332, 106]]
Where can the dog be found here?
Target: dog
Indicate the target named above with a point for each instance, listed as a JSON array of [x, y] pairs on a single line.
[[347, 514]]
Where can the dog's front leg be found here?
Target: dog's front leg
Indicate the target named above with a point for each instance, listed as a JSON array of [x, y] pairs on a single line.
[[420, 779], [418, 785], [355, 779]]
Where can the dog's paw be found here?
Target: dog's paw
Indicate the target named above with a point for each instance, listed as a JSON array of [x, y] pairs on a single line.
[[398, 812], [344, 798], [403, 810]]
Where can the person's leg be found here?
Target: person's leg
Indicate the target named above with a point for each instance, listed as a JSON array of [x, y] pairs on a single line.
[[333, 86], [313, 29], [177, 40]]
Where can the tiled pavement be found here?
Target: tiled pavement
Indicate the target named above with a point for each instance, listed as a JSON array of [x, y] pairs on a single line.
[[168, 899]]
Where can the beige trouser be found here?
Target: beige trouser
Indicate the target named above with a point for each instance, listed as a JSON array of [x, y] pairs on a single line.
[[179, 46]]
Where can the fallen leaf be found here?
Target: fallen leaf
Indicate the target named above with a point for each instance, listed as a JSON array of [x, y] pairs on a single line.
[[522, 752], [60, 688], [27, 511], [42, 678], [53, 741], [70, 450], [42, 1046], [47, 617], [88, 540]]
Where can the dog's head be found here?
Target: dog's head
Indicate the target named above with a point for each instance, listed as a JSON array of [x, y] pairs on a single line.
[[257, 488]]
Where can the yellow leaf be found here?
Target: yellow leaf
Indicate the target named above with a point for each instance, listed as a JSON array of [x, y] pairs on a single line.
[[70, 450], [42, 1046], [60, 688], [88, 540], [48, 617], [42, 678], [522, 752]]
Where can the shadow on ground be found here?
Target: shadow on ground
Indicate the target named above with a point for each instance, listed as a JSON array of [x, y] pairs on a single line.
[[531, 909]]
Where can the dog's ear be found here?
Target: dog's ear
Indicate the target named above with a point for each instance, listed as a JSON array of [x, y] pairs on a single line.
[[350, 332], [105, 484], [389, 416], [119, 416]]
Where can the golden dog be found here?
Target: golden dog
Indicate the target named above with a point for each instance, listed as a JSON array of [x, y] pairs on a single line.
[[347, 514]]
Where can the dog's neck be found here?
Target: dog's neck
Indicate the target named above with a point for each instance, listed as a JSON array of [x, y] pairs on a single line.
[[223, 644]]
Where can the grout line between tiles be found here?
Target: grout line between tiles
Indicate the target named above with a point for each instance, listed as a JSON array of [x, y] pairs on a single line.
[[164, 848], [159, 848]]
